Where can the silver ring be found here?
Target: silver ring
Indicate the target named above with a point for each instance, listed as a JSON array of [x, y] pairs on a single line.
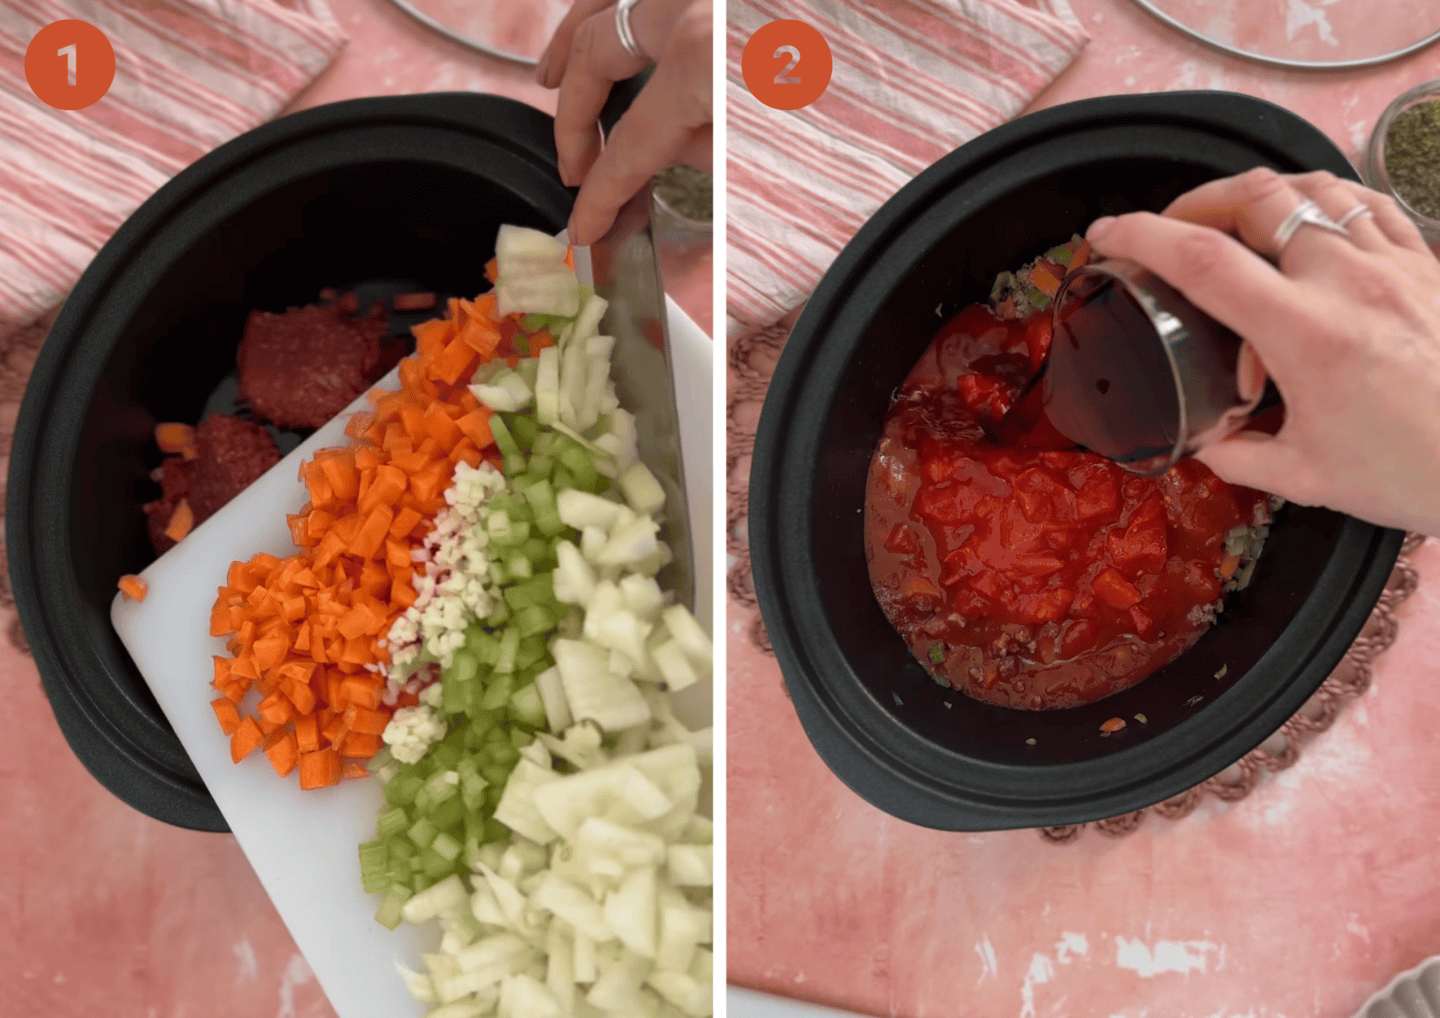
[[622, 28], [1359, 210], [1305, 212]]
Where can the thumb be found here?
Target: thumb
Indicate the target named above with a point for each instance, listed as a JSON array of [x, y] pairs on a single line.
[[1253, 459]]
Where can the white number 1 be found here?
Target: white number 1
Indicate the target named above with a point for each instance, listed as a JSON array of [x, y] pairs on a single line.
[[68, 52]]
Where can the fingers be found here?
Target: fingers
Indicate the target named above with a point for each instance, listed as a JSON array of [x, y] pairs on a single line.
[[667, 121], [551, 69], [1217, 273], [1336, 201], [1252, 206], [596, 61], [1256, 460], [1393, 222]]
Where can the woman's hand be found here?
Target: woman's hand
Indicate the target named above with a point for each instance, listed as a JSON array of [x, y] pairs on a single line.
[[668, 123], [1349, 330]]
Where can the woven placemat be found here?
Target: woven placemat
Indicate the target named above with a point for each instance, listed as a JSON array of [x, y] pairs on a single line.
[[752, 358]]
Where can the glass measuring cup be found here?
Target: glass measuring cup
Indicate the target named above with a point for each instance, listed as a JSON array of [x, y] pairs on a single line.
[[1140, 375]]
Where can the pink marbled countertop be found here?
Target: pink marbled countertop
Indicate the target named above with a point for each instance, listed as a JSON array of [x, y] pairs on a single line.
[[1297, 902], [107, 912]]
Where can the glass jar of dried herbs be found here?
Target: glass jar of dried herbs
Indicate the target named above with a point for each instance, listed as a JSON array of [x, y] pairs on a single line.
[[1403, 159]]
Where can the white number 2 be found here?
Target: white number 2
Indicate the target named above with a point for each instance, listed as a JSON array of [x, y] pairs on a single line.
[[68, 52], [783, 77]]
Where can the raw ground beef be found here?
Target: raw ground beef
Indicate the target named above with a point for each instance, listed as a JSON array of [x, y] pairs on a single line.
[[233, 454], [301, 368]]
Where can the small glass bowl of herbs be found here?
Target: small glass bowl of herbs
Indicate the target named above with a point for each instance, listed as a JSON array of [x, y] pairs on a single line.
[[1403, 158]]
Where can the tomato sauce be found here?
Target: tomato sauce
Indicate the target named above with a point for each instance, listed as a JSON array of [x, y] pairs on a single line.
[[1021, 572]]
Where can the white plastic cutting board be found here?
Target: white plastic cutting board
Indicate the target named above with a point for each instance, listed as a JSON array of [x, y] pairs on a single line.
[[303, 844]]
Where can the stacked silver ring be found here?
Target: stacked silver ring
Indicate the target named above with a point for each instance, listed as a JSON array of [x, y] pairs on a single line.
[[1307, 212], [622, 28], [1359, 210]]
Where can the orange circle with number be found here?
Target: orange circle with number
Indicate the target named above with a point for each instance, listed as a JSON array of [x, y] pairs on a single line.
[[786, 65], [69, 65]]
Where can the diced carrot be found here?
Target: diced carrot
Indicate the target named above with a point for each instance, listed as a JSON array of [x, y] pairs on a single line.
[[1044, 280], [135, 589], [353, 770], [367, 691], [366, 721], [226, 714], [284, 752], [244, 667], [276, 708], [430, 482], [390, 484], [371, 534], [220, 619], [177, 438], [431, 336], [246, 739], [270, 651], [480, 335], [319, 769], [344, 479], [413, 301], [451, 363], [404, 522], [263, 563], [181, 520], [360, 745], [307, 733], [476, 426], [492, 270]]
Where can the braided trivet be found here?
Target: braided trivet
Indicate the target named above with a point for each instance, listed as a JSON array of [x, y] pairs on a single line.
[[752, 359]]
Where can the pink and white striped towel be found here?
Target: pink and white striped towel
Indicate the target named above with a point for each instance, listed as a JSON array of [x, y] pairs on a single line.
[[912, 80], [189, 76]]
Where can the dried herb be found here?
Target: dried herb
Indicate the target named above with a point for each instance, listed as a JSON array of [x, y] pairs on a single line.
[[1412, 157], [688, 191]]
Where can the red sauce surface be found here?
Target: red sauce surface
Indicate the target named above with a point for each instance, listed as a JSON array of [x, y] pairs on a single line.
[[1047, 577]]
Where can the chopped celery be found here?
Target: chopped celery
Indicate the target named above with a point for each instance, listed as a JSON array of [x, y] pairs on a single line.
[[525, 429], [499, 615], [435, 865], [422, 832], [481, 644], [481, 722], [538, 322], [392, 822], [520, 738], [374, 862], [444, 756], [538, 589], [391, 906], [498, 693], [504, 441], [528, 707], [538, 551], [509, 644], [581, 466], [533, 620], [448, 815], [463, 667], [513, 466], [517, 566], [401, 789], [446, 847], [441, 786], [495, 831], [532, 654]]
